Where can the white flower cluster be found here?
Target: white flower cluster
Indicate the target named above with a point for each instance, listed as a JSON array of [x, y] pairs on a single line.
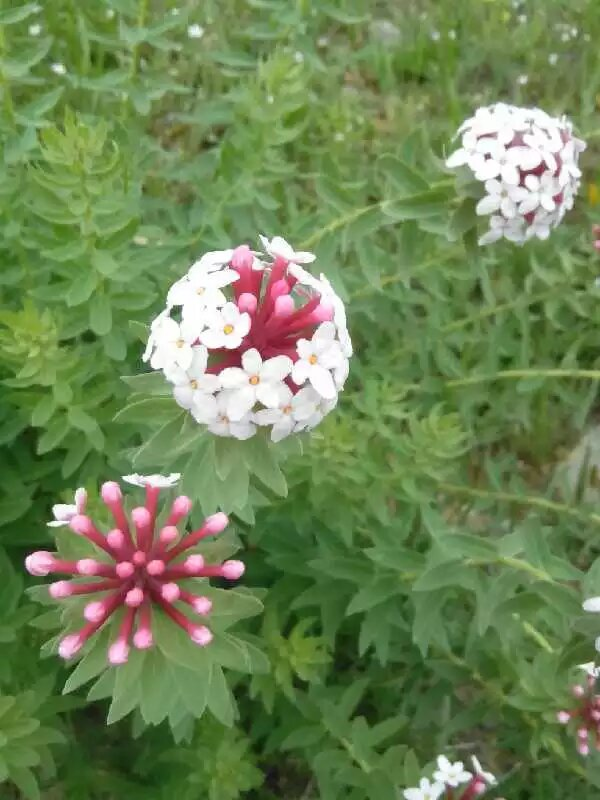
[[528, 164], [448, 777], [249, 342]]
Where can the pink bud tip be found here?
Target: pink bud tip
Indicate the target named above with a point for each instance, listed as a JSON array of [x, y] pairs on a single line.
[[323, 312], [583, 733], [141, 517], [81, 524], [247, 302], [69, 646], [583, 748], [578, 691], [182, 505], [170, 592], [216, 522], [88, 566], [232, 570], [125, 569], [134, 597], [201, 635], [242, 257], [60, 589], [202, 605], [94, 611], [139, 558], [39, 563], [156, 567], [111, 492], [193, 563], [595, 715], [284, 306], [116, 538], [563, 717], [118, 653], [597, 245], [280, 288], [479, 787], [168, 534], [143, 639]]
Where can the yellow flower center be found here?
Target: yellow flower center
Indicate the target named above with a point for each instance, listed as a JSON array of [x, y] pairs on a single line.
[[200, 290], [194, 384], [180, 342], [224, 418], [312, 359], [254, 380], [228, 329], [287, 409]]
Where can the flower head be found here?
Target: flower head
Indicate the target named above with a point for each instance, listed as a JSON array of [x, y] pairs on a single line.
[[64, 513], [452, 774], [527, 162], [58, 68], [424, 791], [195, 31], [248, 343], [136, 570], [584, 715]]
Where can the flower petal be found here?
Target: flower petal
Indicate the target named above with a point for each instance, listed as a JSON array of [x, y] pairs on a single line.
[[276, 368], [252, 362], [322, 381], [233, 378], [240, 402]]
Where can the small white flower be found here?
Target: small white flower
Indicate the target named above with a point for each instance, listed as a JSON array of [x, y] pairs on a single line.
[[155, 481], [225, 327], [256, 380], [590, 669], [201, 289], [592, 604], [58, 68], [426, 790], [553, 59], [322, 407], [511, 229], [452, 774], [35, 29], [523, 80], [195, 31], [242, 428], [64, 512], [298, 57], [212, 261], [504, 162], [501, 197], [278, 247], [318, 356], [542, 191], [480, 773], [174, 343], [291, 409], [435, 36], [192, 384], [541, 225]]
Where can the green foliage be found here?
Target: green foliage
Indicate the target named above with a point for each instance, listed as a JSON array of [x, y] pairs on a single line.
[[427, 548]]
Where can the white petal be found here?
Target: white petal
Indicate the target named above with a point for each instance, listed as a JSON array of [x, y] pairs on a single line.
[[213, 338], [303, 257], [459, 158], [252, 362], [243, 325], [488, 204], [282, 428], [593, 604], [240, 402], [322, 381], [510, 174], [80, 500], [530, 204], [184, 395], [300, 372], [276, 368], [487, 169], [204, 408], [326, 330], [268, 394], [242, 430], [199, 361], [268, 416], [304, 348], [233, 378]]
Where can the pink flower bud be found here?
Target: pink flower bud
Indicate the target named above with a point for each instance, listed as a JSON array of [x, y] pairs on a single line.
[[583, 748], [284, 306], [134, 597], [88, 566], [94, 611], [193, 563], [232, 570], [247, 302], [323, 312], [280, 288], [125, 569], [242, 257], [139, 558], [182, 506], [141, 517], [116, 539], [143, 639], [155, 567], [583, 733], [69, 646], [216, 523], [595, 715], [578, 691], [597, 245], [563, 717], [39, 563], [170, 592], [60, 589], [118, 653], [168, 534], [81, 524], [111, 492], [479, 786], [201, 635], [202, 605]]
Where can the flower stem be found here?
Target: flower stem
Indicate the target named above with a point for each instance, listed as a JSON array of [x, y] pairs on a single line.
[[509, 374]]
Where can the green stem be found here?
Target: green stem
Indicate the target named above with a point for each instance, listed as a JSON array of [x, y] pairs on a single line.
[[135, 51], [508, 374], [6, 93], [523, 500]]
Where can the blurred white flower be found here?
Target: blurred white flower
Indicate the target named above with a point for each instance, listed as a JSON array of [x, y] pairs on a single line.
[[225, 327], [317, 357], [195, 31], [426, 790], [64, 512], [242, 428], [35, 29], [452, 774], [256, 381], [58, 68], [553, 59], [157, 481]]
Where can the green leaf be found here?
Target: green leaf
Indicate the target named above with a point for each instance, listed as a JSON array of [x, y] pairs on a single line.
[[104, 262], [149, 383], [100, 314], [220, 700], [261, 459], [193, 686], [82, 288], [18, 14], [152, 410]]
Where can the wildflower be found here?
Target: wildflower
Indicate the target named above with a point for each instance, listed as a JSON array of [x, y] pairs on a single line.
[[452, 774], [299, 57], [425, 791], [527, 163], [246, 342], [195, 31], [523, 80], [58, 68], [585, 715], [448, 777], [35, 29], [64, 513], [435, 36], [135, 571], [553, 59]]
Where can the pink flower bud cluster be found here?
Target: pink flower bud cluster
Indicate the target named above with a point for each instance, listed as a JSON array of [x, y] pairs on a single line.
[[584, 716], [248, 343], [137, 572]]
